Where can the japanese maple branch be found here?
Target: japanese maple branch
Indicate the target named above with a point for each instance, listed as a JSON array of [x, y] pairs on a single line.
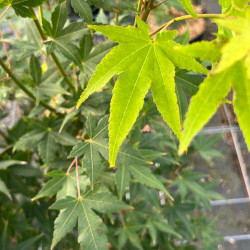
[[181, 18], [21, 86], [147, 8], [157, 5], [53, 55]]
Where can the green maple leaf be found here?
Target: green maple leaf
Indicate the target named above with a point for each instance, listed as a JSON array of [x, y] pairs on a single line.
[[232, 71], [79, 211], [238, 46], [145, 64]]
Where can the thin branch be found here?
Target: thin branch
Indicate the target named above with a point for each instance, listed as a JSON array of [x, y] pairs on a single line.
[[148, 8], [181, 18], [5, 11], [53, 55], [21, 86], [157, 5], [5, 49]]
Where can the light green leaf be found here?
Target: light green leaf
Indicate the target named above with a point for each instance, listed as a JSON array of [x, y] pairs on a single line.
[[240, 4], [203, 50], [233, 51], [83, 9], [163, 89], [203, 105], [241, 102], [238, 46], [112, 64], [128, 95], [95, 57], [225, 4], [187, 4], [247, 65], [145, 176], [134, 56]]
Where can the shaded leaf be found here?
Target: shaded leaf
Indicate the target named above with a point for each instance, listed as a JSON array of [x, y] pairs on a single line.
[[79, 211], [83, 9], [3, 188]]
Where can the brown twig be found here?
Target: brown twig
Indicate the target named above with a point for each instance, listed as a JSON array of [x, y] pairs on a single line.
[[155, 6]]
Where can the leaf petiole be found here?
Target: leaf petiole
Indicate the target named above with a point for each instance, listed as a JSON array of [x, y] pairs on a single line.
[[181, 18]]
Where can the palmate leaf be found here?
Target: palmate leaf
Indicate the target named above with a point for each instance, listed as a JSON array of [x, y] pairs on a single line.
[[79, 211], [203, 105], [235, 54], [135, 56]]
